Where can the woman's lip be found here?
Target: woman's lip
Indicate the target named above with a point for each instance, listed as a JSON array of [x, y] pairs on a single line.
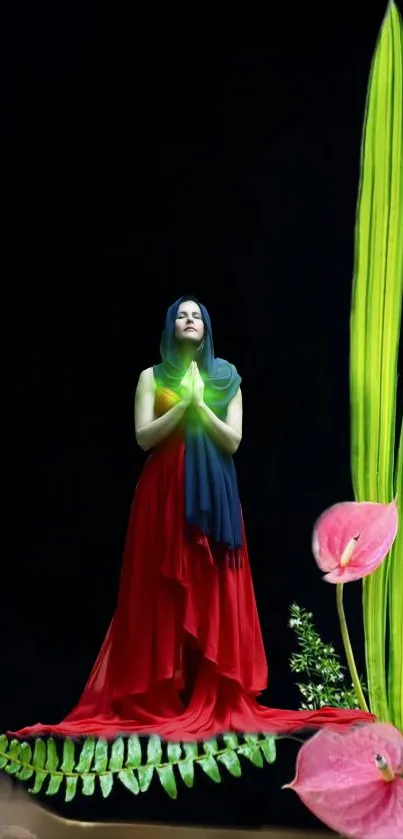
[[190, 329]]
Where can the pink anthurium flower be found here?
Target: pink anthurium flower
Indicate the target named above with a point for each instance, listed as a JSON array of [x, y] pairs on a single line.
[[352, 781], [351, 539]]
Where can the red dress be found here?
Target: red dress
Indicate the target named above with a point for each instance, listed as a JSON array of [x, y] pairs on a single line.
[[183, 656]]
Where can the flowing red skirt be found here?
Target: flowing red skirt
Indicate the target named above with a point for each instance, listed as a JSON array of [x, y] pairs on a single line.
[[183, 656]]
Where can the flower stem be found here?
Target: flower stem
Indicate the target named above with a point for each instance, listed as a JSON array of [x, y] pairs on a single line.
[[349, 650]]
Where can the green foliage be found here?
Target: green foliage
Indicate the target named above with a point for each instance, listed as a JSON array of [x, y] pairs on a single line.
[[321, 664], [79, 766]]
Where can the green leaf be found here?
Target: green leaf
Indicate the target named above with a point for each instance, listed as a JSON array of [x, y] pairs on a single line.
[[71, 787], [14, 749], [252, 753], [211, 746], [101, 756], [88, 782], [145, 774], [129, 780], [252, 739], [231, 762], [231, 740], [174, 752], [86, 756], [395, 583], [3, 751], [117, 755], [134, 754], [154, 750], [13, 757], [55, 783], [12, 767], [209, 766], [26, 770], [39, 757], [187, 772], [69, 758], [374, 343], [52, 758], [268, 747], [26, 753], [191, 750], [106, 784], [167, 778], [40, 778]]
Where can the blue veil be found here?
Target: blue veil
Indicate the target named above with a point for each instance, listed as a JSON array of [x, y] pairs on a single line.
[[212, 502]]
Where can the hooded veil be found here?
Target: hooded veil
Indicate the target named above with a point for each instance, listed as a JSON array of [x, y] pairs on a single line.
[[212, 502]]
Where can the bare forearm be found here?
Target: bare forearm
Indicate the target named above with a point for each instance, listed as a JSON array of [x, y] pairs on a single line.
[[226, 437], [154, 432]]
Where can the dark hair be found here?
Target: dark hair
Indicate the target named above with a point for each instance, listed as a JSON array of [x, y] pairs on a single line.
[[190, 297]]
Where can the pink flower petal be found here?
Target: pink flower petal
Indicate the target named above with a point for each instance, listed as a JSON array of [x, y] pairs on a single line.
[[338, 780], [363, 530]]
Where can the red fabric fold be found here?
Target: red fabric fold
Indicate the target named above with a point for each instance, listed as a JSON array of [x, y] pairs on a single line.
[[184, 655]]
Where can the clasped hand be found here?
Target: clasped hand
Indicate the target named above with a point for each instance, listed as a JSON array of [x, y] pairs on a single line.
[[192, 385]]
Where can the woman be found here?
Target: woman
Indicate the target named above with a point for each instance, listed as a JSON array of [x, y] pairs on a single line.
[[184, 655]]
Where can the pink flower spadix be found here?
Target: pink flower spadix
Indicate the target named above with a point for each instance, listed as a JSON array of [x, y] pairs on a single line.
[[351, 539], [352, 780]]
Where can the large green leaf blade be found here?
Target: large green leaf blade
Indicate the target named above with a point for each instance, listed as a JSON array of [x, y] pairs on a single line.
[[379, 428], [395, 675], [375, 322], [395, 580]]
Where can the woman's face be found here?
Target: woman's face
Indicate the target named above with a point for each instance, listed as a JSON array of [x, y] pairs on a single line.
[[189, 324]]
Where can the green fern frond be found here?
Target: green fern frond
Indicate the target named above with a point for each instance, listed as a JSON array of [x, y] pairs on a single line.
[[79, 766]]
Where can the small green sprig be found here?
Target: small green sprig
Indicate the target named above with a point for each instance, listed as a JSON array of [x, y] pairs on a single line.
[[321, 664]]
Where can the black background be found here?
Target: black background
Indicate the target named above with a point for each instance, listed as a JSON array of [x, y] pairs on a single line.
[[145, 156]]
